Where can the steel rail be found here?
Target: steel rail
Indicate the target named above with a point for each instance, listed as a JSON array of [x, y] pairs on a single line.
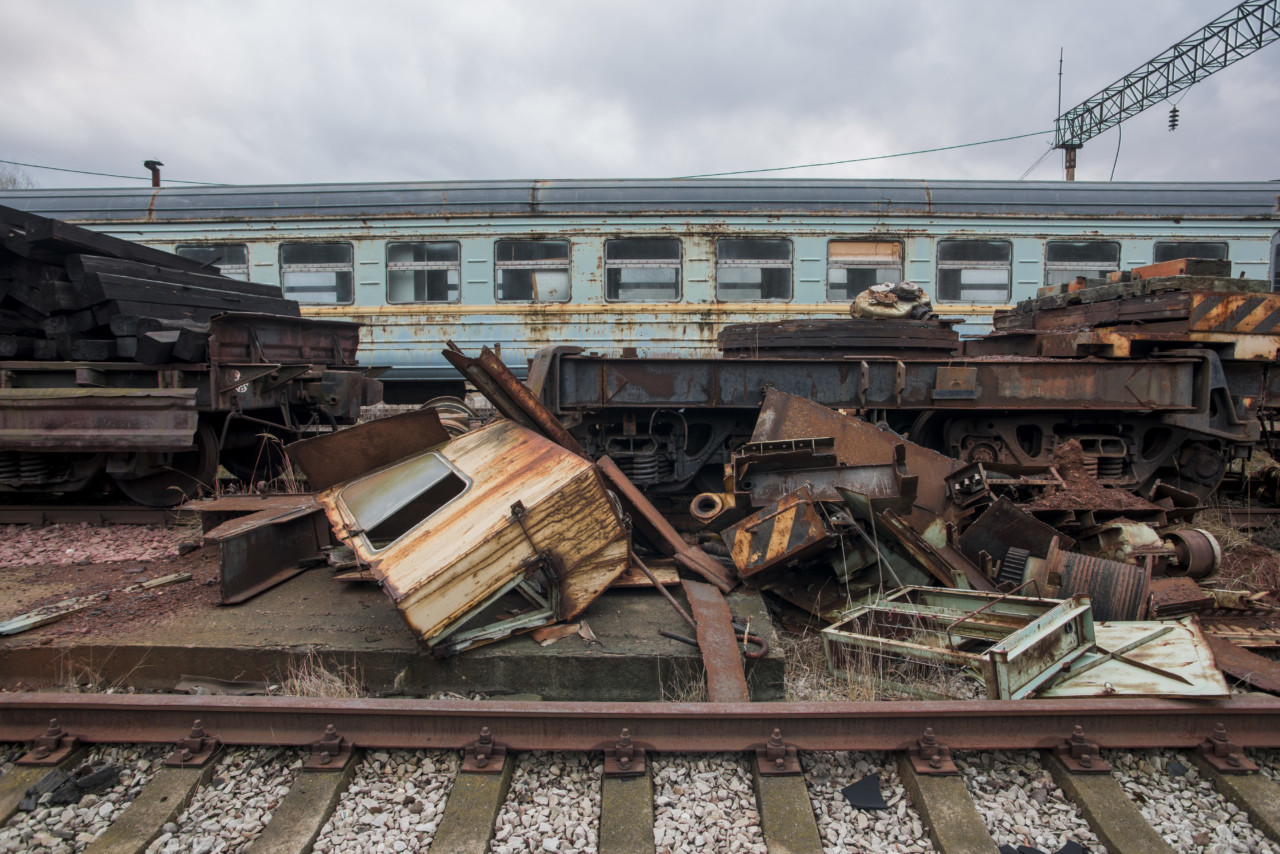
[[1250, 721]]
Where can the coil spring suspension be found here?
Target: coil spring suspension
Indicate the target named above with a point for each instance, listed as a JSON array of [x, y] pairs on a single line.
[[33, 467]]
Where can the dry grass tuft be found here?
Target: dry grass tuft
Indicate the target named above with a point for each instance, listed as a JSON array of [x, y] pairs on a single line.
[[1247, 564], [683, 682], [864, 675], [312, 677]]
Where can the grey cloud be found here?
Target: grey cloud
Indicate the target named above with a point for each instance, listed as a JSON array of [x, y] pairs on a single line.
[[296, 91]]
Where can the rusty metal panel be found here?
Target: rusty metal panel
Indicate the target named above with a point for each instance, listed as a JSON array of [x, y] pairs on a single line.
[[1235, 313], [97, 419], [1260, 672], [266, 547], [246, 338], [1003, 526], [1165, 658], [783, 533], [336, 457]]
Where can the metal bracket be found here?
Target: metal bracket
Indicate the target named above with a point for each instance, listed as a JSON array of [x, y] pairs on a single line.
[[195, 750], [484, 755], [1219, 751], [330, 753], [1080, 755], [930, 756], [777, 758], [624, 759], [52, 747]]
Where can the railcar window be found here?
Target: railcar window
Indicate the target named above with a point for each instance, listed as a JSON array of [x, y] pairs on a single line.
[[974, 270], [229, 259], [855, 265], [316, 273], [1172, 250], [1064, 260], [642, 268], [532, 270], [423, 272], [753, 269]]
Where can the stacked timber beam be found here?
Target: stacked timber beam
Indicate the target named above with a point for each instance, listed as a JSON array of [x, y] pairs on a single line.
[[67, 293]]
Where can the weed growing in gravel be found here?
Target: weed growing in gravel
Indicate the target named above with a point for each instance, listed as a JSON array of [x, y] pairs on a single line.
[[313, 677]]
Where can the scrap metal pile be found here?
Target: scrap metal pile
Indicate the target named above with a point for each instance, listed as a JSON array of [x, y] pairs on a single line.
[[1066, 575]]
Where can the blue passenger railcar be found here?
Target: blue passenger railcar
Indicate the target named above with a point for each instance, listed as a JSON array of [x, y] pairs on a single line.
[[658, 267]]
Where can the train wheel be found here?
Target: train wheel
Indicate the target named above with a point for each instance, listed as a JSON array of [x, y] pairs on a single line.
[[187, 476]]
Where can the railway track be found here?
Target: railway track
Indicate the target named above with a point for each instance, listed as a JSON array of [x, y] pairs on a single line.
[[616, 778]]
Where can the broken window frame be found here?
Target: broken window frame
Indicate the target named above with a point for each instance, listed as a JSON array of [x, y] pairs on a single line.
[[1165, 250], [421, 272], [961, 266], [411, 476], [204, 254], [342, 274], [881, 273], [615, 270], [532, 267], [1058, 272], [761, 263]]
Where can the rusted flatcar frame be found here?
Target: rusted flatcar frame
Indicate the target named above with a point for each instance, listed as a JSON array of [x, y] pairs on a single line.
[[1250, 721], [1000, 383]]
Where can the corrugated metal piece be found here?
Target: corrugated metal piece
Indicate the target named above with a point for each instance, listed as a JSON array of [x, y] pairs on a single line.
[[1118, 590]]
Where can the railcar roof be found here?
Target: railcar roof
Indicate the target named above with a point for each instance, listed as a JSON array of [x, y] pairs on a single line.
[[701, 197]]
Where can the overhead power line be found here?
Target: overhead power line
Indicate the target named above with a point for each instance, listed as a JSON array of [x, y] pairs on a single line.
[[863, 159], [108, 174]]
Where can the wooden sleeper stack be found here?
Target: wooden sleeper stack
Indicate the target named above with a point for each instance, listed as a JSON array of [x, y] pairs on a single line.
[[67, 293]]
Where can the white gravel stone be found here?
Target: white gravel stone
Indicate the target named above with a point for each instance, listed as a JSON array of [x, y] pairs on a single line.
[[57, 829], [1020, 803], [229, 813], [553, 805], [1185, 810], [705, 803], [845, 830], [394, 803]]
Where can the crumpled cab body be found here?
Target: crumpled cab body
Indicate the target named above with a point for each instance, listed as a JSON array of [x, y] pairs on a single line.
[[491, 533]]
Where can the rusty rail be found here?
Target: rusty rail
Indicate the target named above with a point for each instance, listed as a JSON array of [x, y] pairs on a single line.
[[1250, 721]]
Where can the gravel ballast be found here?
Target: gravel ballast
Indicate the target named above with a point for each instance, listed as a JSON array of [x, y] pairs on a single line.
[[1020, 803], [236, 806], [846, 830], [705, 803], [394, 803], [61, 829], [1183, 807], [553, 805]]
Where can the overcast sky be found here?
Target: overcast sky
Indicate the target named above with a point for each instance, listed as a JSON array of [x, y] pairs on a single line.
[[319, 91]]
